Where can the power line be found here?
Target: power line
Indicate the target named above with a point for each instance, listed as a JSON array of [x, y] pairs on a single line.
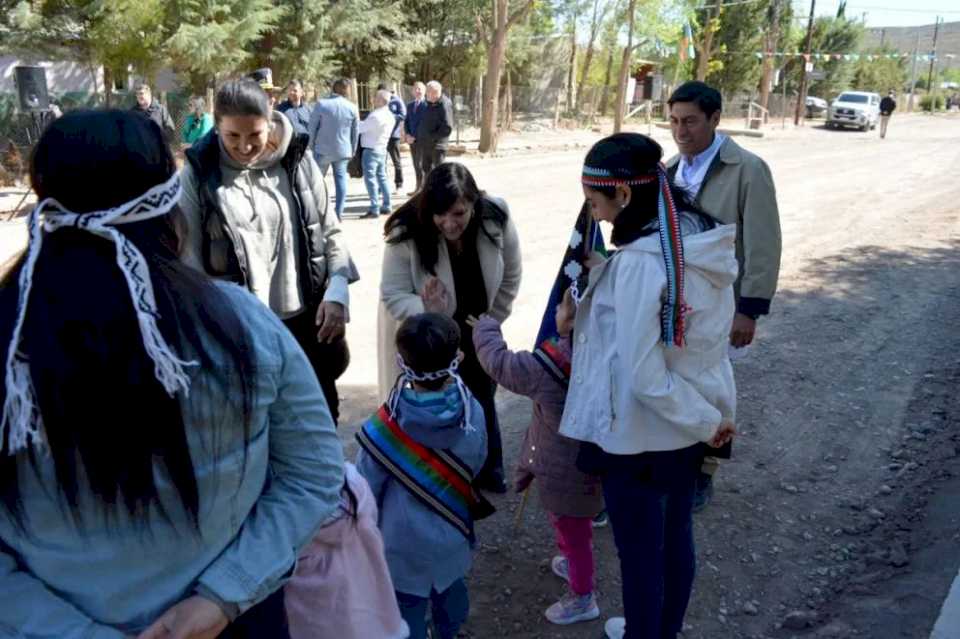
[[890, 9]]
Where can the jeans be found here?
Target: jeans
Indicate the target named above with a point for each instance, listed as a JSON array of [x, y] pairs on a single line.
[[575, 541], [393, 150], [649, 501], [339, 181], [449, 609], [375, 178]]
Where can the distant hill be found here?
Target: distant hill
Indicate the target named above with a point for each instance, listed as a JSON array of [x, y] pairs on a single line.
[[904, 39]]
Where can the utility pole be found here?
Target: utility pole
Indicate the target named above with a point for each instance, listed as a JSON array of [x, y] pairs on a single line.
[[933, 58], [913, 73], [802, 97]]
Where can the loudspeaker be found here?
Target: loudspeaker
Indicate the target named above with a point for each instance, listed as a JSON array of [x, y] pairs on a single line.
[[32, 88], [652, 87]]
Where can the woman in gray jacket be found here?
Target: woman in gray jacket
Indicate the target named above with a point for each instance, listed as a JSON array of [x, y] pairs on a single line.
[[257, 214]]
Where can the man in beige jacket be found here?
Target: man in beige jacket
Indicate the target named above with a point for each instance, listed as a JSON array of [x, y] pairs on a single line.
[[736, 187]]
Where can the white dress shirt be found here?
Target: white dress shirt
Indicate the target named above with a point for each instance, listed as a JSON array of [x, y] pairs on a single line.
[[376, 129], [692, 171]]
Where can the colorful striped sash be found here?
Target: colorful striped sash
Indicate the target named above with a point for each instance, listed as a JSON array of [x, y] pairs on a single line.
[[436, 477]]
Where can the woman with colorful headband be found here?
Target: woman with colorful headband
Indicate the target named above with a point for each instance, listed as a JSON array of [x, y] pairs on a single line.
[[165, 448], [452, 249], [650, 380]]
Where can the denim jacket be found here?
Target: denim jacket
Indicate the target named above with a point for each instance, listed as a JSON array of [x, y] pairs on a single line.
[[260, 502], [425, 552]]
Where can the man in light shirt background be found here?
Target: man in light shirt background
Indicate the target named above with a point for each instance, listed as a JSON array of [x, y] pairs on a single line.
[[736, 187], [375, 133]]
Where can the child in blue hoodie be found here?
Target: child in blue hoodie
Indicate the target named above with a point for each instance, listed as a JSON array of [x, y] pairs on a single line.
[[420, 453]]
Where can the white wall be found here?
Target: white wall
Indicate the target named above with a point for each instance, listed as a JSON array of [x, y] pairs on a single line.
[[62, 77]]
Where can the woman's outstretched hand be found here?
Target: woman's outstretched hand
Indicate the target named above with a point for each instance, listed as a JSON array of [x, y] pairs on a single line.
[[434, 296], [193, 618]]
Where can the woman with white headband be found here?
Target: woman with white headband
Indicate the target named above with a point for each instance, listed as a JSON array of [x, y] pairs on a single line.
[[165, 449], [650, 381]]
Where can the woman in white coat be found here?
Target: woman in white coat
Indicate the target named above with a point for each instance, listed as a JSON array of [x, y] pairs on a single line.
[[651, 383], [451, 249]]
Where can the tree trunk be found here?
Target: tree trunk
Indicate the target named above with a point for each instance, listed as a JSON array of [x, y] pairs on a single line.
[[496, 52], [571, 72], [624, 71], [771, 39], [107, 87], [703, 64], [605, 97], [587, 61], [508, 95]]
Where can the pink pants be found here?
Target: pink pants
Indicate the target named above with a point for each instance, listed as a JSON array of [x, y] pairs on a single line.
[[575, 541]]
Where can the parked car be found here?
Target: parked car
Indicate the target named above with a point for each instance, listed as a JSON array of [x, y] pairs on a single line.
[[816, 106], [855, 108]]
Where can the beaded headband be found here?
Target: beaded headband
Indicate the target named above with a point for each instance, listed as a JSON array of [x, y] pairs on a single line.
[[673, 312], [21, 419], [407, 374]]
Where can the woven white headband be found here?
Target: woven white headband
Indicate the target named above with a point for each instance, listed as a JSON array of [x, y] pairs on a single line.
[[21, 421], [408, 374]]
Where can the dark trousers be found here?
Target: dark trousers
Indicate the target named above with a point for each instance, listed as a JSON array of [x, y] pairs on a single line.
[[393, 150], [448, 609], [649, 499], [485, 390], [431, 156], [329, 361], [417, 165], [266, 620]]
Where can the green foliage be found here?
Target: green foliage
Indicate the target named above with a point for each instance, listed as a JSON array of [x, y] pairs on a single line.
[[932, 103], [212, 39], [880, 74], [740, 33], [835, 35]]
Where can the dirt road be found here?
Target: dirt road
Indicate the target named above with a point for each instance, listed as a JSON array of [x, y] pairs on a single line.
[[838, 516]]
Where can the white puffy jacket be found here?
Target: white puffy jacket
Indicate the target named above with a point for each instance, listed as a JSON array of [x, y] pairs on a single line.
[[631, 394]]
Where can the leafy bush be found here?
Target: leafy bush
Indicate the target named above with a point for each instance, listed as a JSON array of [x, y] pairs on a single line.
[[932, 103]]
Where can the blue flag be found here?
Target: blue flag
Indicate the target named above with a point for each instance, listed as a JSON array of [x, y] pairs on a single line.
[[585, 239]]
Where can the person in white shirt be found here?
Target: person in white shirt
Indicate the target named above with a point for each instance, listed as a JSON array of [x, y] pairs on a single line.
[[375, 133]]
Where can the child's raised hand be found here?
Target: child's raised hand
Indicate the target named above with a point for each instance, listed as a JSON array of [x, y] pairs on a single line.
[[473, 320], [566, 314]]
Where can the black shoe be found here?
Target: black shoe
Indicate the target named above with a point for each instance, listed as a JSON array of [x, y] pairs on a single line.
[[703, 493], [369, 215], [601, 519]]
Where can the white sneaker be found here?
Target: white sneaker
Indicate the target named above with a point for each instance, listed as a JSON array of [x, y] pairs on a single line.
[[573, 608], [615, 628], [560, 567]]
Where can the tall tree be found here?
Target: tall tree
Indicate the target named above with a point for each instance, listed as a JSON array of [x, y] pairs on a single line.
[[494, 31], [621, 105], [734, 67], [212, 39], [835, 36], [704, 44], [598, 15]]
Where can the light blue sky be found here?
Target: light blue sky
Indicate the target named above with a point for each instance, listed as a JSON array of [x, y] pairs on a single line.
[[888, 13]]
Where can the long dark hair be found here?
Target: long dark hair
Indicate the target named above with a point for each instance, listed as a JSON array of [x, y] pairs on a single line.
[[445, 186], [110, 427], [629, 155]]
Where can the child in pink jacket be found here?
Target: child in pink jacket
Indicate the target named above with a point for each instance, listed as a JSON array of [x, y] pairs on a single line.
[[570, 497], [342, 586]]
